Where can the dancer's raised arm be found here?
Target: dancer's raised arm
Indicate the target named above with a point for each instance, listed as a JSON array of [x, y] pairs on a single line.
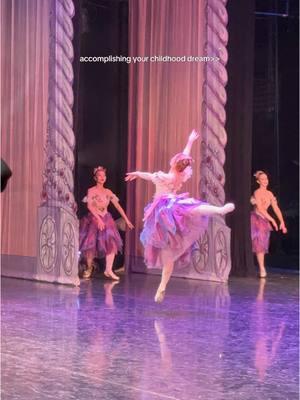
[[194, 135], [131, 176]]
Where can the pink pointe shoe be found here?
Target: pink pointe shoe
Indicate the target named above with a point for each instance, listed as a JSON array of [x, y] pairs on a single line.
[[87, 273], [159, 296], [111, 275], [227, 208], [262, 273]]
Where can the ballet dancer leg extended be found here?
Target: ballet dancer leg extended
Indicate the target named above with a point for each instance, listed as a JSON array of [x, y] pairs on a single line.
[[261, 265], [108, 267], [207, 209], [165, 277]]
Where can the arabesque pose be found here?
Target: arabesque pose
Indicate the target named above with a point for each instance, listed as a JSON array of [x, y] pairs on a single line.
[[173, 222]]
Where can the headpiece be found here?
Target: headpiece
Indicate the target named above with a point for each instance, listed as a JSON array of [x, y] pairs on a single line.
[[258, 173], [179, 157], [97, 169]]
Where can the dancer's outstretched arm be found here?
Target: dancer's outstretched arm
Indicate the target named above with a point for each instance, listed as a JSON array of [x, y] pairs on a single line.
[[194, 135], [131, 176]]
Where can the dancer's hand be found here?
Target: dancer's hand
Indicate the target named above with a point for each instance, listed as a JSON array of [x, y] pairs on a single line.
[[129, 224], [282, 227], [131, 176], [273, 222], [100, 224], [194, 135]]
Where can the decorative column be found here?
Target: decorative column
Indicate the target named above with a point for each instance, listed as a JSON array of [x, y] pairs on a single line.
[[211, 255], [58, 223]]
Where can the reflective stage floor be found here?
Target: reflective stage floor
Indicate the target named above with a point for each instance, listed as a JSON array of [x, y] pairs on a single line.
[[109, 341]]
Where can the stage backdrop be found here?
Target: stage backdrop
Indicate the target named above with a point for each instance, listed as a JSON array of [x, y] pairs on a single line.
[[170, 97], [164, 97], [239, 110], [24, 98]]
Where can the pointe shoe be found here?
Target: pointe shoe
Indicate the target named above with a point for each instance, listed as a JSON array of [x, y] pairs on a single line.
[[262, 274], [159, 296], [87, 273], [111, 275], [227, 208]]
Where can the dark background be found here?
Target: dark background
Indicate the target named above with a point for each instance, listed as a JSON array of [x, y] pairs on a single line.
[[101, 96], [262, 112], [275, 135]]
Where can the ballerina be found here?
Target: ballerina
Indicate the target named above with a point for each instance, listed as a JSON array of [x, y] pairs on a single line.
[[98, 234], [262, 221], [173, 222]]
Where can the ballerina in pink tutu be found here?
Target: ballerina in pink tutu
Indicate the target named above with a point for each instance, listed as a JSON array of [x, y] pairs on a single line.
[[173, 222], [98, 234], [261, 220]]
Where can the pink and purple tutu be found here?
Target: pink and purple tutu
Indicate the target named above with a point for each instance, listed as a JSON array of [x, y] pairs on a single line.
[[260, 233], [170, 229], [96, 243]]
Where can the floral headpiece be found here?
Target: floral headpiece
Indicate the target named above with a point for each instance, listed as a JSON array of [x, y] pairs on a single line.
[[179, 157], [97, 169], [258, 173]]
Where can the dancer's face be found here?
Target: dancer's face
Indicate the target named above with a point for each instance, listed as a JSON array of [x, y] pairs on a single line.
[[263, 180], [182, 164], [100, 177]]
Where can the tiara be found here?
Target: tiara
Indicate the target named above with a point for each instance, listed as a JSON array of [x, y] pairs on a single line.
[[97, 169], [258, 173], [179, 157]]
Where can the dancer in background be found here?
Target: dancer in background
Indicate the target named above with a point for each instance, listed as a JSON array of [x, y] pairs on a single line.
[[173, 222], [98, 234], [262, 221]]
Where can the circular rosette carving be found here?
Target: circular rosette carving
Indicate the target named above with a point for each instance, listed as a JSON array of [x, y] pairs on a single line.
[[221, 253], [68, 247], [200, 253], [48, 238]]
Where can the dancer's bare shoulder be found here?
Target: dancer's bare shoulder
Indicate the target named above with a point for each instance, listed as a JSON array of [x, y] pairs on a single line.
[[258, 193], [92, 189]]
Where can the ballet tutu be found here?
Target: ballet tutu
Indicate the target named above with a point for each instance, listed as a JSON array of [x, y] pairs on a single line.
[[260, 233], [171, 227], [97, 243]]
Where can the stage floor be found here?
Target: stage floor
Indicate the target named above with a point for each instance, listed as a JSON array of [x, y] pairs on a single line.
[[109, 341]]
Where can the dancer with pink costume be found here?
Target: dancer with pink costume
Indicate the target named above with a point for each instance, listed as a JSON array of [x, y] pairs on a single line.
[[98, 234], [173, 222], [262, 221]]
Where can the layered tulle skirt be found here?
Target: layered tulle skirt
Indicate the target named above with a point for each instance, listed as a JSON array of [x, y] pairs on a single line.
[[260, 233], [171, 226], [96, 243]]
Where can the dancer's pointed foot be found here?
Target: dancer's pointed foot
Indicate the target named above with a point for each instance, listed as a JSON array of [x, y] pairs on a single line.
[[159, 296], [111, 275], [227, 208]]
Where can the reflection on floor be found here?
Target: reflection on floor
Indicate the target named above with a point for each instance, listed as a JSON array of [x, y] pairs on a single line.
[[108, 340]]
